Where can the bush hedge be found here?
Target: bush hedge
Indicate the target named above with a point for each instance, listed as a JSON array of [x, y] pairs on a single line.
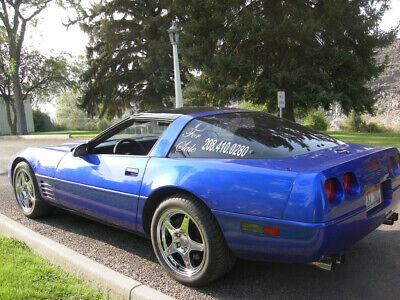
[[315, 120]]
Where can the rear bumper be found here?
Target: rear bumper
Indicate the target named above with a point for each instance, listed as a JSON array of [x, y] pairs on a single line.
[[301, 242]]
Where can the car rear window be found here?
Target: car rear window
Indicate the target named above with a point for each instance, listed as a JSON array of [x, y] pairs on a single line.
[[247, 135]]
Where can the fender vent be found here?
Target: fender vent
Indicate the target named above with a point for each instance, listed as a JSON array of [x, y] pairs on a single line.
[[47, 190]]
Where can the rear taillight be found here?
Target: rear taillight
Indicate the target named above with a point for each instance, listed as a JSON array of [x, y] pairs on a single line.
[[347, 182], [334, 191], [350, 184], [330, 189]]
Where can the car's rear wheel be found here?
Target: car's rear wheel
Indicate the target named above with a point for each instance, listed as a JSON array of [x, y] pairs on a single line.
[[188, 241], [27, 192]]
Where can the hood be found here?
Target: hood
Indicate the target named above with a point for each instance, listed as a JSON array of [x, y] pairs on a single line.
[[66, 146]]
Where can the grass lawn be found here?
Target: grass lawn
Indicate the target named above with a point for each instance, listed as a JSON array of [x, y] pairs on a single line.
[[24, 275], [377, 139]]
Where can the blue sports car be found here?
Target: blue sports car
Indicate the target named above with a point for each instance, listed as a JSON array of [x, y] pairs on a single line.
[[209, 185]]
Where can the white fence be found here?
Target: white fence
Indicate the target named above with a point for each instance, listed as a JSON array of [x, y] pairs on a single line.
[[5, 128]]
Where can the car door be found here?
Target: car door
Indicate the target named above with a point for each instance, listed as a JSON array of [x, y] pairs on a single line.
[[104, 185]]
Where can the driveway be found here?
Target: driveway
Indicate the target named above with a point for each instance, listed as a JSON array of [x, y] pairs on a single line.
[[372, 269]]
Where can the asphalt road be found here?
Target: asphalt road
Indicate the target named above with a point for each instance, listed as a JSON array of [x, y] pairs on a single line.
[[372, 269]]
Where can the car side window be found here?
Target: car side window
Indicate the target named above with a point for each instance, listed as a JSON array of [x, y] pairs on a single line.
[[206, 140], [136, 138]]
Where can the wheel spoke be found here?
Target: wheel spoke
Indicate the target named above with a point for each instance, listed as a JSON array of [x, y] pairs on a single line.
[[29, 185], [170, 250], [26, 201], [171, 229], [26, 179], [185, 225], [195, 246], [186, 260]]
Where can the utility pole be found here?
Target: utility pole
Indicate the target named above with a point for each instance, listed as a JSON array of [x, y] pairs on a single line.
[[173, 32]]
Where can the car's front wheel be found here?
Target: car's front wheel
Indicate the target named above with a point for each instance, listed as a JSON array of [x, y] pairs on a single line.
[[188, 241], [27, 192]]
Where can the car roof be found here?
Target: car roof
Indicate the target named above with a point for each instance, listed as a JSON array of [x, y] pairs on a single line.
[[194, 111]]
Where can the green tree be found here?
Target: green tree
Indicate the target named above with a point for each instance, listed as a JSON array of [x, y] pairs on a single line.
[[129, 57], [318, 51], [15, 17], [72, 117], [38, 78], [42, 121], [67, 108]]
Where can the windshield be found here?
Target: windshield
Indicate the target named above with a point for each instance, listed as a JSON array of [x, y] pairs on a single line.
[[248, 135]]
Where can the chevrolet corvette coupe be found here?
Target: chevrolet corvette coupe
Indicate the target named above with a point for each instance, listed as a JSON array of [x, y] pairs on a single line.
[[210, 185]]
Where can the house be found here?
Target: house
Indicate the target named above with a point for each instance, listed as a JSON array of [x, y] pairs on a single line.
[[5, 128]]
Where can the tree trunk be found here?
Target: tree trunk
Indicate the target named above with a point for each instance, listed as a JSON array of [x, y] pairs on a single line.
[[12, 121], [15, 54], [288, 111], [19, 105]]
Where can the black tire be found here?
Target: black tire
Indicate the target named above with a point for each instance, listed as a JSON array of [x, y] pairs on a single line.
[[202, 228], [37, 207]]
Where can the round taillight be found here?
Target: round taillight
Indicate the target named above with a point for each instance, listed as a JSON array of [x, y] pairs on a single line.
[[347, 182], [350, 183], [333, 191]]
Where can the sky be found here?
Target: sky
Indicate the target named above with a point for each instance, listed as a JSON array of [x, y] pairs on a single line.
[[392, 17], [51, 37]]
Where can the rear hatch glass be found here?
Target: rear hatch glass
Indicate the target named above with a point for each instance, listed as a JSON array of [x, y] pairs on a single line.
[[248, 135]]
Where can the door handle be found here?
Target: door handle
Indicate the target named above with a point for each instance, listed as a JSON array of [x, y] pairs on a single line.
[[131, 171]]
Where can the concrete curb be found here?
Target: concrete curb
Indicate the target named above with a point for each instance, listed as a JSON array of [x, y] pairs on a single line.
[[110, 282], [36, 137]]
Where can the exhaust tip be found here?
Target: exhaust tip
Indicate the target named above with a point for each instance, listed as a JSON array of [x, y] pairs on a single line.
[[388, 222], [325, 264], [329, 263], [392, 218]]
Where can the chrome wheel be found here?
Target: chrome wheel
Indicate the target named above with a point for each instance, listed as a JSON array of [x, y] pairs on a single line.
[[181, 242], [24, 190]]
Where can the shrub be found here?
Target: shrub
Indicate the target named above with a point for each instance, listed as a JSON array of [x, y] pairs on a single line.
[[103, 124], [252, 106], [373, 128], [84, 124], [42, 121], [316, 120], [354, 122]]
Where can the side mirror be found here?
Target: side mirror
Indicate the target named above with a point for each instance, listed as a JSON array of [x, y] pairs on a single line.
[[80, 150]]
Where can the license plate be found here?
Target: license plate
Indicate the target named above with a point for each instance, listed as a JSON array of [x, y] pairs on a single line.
[[373, 197]]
